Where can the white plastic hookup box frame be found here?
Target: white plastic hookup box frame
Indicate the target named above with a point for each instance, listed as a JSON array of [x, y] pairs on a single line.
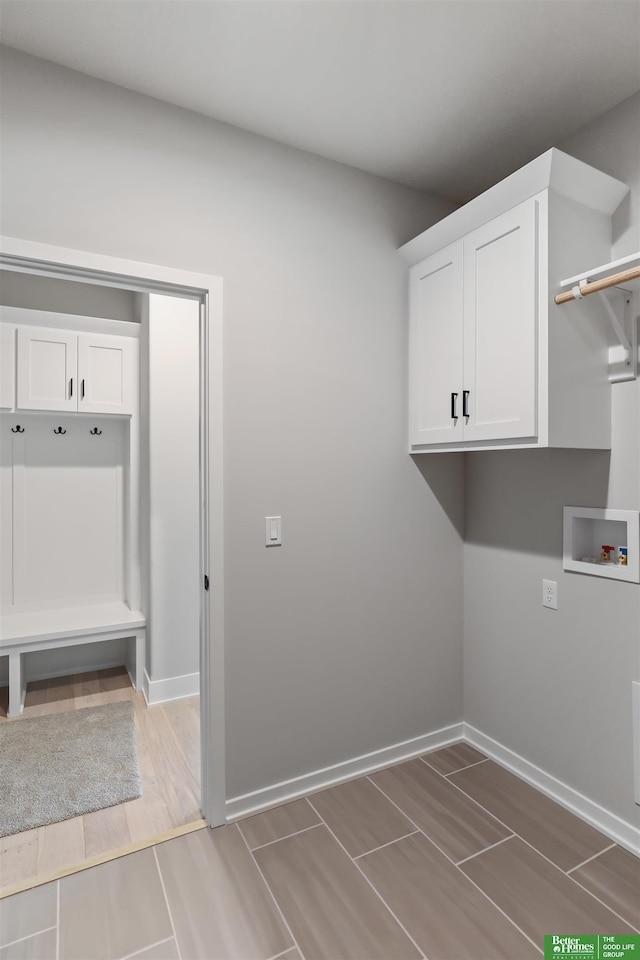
[[587, 529]]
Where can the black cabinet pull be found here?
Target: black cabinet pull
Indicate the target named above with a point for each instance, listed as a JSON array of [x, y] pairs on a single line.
[[70, 388], [454, 400], [465, 403], [82, 389]]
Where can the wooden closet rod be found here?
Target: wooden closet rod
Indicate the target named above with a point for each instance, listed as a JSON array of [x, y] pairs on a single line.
[[586, 288]]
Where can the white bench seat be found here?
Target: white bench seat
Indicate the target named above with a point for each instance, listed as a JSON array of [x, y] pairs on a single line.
[[22, 633]]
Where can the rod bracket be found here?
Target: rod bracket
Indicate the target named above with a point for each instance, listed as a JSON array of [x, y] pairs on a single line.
[[577, 290], [623, 358]]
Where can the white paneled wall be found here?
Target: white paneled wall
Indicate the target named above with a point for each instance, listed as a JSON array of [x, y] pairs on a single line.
[[62, 511]]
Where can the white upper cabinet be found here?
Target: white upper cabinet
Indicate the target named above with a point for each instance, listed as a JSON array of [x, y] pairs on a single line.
[[493, 362], [47, 369], [67, 371], [500, 287], [106, 376], [436, 348]]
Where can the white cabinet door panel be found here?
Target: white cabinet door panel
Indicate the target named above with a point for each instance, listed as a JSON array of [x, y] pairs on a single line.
[[106, 376], [7, 366], [500, 327], [47, 363], [435, 349]]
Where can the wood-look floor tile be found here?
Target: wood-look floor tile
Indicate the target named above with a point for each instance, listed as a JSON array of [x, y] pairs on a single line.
[[160, 951], [40, 947], [60, 844], [106, 829], [115, 680], [49, 696], [113, 910], [184, 717], [148, 816], [219, 902], [537, 896], [330, 907], [179, 781], [547, 826], [27, 913], [456, 824], [453, 758], [614, 877], [278, 823], [18, 857], [87, 691], [445, 914], [360, 816]]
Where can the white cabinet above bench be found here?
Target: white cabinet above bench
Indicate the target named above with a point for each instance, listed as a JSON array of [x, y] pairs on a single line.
[[64, 369], [493, 362]]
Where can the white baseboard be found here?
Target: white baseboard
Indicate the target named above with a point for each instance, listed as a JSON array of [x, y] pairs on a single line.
[[277, 793], [626, 834], [173, 688]]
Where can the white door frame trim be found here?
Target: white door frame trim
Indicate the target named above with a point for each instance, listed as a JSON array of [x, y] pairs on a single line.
[[27, 256]]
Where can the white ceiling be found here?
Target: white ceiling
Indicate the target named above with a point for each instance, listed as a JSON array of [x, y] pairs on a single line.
[[449, 96]]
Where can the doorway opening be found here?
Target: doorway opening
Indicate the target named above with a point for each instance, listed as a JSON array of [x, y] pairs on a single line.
[[126, 544]]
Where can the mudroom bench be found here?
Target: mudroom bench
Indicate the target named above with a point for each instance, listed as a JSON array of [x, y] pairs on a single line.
[[22, 633]]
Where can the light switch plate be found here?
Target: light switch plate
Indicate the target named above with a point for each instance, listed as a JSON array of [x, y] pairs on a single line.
[[273, 532]]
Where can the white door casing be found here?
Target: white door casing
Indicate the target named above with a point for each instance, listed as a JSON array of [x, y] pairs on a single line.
[[64, 263]]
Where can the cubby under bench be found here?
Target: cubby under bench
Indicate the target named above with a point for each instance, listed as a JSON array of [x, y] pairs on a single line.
[[22, 633]]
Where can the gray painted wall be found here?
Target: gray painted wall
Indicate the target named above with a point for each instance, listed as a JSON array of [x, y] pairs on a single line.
[[348, 638], [556, 686]]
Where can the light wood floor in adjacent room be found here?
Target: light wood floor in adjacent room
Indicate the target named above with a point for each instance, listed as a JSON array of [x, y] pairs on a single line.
[[168, 739]]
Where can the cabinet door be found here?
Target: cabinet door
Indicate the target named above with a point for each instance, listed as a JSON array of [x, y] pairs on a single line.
[[435, 348], [500, 326], [7, 366], [47, 362], [105, 371]]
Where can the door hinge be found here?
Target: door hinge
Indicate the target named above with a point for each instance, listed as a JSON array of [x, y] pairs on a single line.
[[206, 582]]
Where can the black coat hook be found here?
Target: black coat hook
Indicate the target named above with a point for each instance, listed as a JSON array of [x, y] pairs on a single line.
[[95, 432], [59, 430], [17, 429]]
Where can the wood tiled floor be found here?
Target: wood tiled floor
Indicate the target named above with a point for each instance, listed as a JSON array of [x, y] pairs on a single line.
[[168, 743], [447, 857]]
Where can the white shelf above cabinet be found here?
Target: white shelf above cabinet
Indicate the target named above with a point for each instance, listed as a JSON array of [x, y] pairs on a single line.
[[586, 530]]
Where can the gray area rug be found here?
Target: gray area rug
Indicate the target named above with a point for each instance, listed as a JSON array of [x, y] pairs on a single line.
[[66, 764]]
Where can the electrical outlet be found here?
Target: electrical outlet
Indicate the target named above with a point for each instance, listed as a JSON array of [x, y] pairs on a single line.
[[550, 594]]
